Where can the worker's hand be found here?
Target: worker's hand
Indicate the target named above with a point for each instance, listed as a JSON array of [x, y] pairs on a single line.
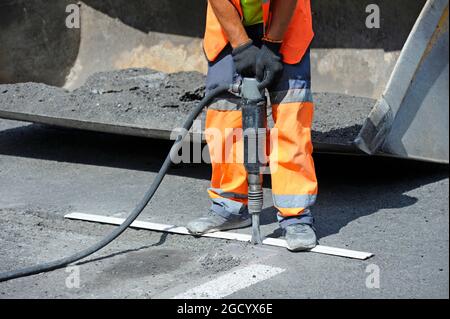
[[268, 63], [244, 57]]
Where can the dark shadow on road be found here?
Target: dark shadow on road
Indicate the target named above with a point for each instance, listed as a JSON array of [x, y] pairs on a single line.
[[268, 216], [353, 187], [90, 148], [350, 186]]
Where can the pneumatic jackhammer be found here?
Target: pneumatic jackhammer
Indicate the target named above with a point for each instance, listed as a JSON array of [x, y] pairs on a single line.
[[254, 124]]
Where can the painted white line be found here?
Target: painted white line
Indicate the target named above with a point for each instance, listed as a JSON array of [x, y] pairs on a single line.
[[220, 235], [230, 283]]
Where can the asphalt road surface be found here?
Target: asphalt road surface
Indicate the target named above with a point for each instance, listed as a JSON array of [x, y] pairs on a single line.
[[396, 209]]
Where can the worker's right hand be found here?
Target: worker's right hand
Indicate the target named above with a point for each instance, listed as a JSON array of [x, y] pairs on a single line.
[[244, 57], [268, 63]]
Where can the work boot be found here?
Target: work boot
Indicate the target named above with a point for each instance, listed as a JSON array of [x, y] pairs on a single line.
[[300, 237], [214, 222]]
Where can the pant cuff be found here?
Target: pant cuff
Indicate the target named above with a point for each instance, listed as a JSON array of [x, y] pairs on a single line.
[[224, 211], [305, 218]]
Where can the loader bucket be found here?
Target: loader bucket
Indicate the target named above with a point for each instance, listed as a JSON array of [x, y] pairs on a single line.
[[411, 118], [352, 65]]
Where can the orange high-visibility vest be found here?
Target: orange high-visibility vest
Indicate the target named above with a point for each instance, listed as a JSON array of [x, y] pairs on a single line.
[[296, 41]]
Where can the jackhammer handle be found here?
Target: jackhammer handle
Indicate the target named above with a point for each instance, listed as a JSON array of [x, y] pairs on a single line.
[[268, 79]]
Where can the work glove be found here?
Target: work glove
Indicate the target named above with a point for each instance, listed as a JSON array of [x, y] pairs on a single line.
[[244, 57], [268, 63]]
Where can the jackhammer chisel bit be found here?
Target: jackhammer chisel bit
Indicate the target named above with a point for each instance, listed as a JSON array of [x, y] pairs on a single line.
[[253, 106]]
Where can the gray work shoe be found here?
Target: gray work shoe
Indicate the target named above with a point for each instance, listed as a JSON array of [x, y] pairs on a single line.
[[300, 237], [214, 222]]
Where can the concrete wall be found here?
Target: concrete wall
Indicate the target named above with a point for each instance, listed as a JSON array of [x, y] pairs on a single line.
[[35, 45]]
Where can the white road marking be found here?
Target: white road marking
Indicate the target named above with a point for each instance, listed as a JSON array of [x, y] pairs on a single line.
[[230, 283], [220, 235]]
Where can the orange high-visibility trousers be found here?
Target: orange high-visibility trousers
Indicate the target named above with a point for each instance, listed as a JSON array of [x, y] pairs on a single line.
[[294, 183]]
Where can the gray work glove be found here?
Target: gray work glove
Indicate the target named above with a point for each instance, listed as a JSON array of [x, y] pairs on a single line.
[[268, 63], [244, 57]]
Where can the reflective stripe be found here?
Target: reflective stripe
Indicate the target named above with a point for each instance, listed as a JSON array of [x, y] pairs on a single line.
[[294, 201], [225, 105], [291, 96], [230, 195]]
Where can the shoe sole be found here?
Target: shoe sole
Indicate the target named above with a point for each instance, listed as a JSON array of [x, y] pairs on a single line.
[[302, 248], [243, 224]]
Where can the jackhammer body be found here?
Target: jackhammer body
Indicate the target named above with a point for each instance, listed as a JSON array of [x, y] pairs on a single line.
[[254, 125]]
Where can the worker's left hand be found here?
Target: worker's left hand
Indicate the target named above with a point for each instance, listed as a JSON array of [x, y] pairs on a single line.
[[268, 63]]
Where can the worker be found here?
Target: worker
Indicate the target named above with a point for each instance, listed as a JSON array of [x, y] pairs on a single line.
[[268, 40]]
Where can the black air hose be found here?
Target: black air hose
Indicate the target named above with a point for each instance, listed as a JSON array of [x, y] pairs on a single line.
[[45, 267]]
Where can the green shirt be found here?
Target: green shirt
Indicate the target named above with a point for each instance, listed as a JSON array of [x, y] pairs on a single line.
[[253, 12]]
